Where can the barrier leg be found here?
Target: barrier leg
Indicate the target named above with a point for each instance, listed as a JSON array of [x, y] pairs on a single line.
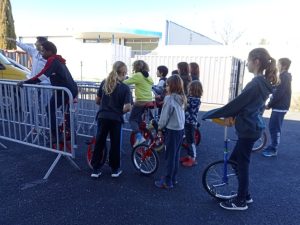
[[52, 166], [3, 145], [72, 162]]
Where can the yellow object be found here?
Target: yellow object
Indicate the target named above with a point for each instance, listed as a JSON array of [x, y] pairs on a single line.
[[224, 121], [9, 72]]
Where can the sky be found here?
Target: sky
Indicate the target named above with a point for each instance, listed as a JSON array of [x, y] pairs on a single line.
[[273, 20]]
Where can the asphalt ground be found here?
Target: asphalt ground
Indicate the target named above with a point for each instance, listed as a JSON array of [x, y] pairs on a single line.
[[70, 196]]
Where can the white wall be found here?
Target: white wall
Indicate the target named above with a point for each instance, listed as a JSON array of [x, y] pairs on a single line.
[[88, 61]]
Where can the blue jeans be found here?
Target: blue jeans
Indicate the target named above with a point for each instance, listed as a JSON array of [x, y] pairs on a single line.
[[241, 155], [275, 125], [173, 141]]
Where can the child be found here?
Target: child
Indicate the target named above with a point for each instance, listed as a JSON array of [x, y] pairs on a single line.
[[114, 99], [162, 72], [183, 71], [280, 104], [193, 103], [194, 71], [160, 89], [143, 94], [246, 109], [172, 120]]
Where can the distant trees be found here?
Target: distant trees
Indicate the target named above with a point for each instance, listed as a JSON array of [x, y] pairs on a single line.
[[227, 33], [7, 28]]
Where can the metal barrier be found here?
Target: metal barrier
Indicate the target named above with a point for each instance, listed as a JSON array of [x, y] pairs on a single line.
[[39, 116], [87, 109]]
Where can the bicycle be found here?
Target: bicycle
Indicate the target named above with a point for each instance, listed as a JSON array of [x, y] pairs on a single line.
[[149, 127], [145, 158]]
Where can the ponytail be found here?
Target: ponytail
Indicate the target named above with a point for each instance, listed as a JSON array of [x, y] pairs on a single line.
[[267, 65], [271, 72]]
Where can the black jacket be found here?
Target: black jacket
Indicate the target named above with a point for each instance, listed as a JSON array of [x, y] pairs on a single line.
[[58, 74], [247, 108], [281, 98]]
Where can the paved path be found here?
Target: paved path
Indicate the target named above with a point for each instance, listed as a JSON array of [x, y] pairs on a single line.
[[71, 197]]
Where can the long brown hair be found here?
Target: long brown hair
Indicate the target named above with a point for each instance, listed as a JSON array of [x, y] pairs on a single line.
[[267, 65], [175, 85], [195, 89]]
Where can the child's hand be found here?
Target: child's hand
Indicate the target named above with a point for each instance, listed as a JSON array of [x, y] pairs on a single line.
[[229, 121]]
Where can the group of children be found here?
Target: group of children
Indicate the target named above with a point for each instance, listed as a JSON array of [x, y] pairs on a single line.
[[181, 93]]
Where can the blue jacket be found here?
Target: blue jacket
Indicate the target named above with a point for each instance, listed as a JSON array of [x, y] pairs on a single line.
[[247, 108], [281, 98]]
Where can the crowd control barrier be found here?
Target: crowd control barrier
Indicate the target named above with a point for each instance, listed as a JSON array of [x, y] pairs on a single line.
[[40, 116]]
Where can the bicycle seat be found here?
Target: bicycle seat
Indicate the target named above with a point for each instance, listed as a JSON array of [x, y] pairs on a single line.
[[150, 105]]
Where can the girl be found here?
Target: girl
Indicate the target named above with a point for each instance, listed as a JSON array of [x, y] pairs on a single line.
[[114, 99], [143, 94], [191, 114], [247, 111], [172, 120], [194, 71], [183, 71]]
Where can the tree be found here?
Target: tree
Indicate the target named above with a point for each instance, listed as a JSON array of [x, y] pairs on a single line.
[[7, 28], [227, 33]]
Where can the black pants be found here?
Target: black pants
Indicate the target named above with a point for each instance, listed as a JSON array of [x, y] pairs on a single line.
[[241, 155], [55, 103], [113, 128]]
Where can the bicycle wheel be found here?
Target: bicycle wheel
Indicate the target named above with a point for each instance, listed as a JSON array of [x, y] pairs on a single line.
[[144, 159], [145, 132], [260, 143], [216, 184], [90, 151]]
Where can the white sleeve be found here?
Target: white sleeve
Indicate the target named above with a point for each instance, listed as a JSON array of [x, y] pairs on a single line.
[[27, 48]]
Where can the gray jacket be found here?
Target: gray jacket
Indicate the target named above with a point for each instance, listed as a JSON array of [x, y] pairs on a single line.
[[172, 114]]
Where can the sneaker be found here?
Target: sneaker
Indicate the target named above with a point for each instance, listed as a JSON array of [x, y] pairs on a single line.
[[162, 184], [96, 173], [190, 162], [116, 173], [139, 140], [269, 153], [234, 204], [249, 199]]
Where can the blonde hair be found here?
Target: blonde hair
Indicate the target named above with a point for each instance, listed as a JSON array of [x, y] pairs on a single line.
[[112, 78]]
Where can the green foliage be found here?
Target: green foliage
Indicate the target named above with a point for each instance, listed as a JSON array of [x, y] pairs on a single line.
[[7, 28]]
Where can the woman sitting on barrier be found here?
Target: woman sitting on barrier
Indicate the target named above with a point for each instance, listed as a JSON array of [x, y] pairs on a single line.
[[143, 94], [59, 75], [114, 99]]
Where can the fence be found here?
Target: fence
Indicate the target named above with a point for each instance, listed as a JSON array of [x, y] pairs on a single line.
[[216, 73], [29, 116]]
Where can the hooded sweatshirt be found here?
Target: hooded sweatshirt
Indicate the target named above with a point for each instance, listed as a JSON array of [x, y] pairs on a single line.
[[143, 86], [172, 114], [281, 98], [58, 73], [247, 108]]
